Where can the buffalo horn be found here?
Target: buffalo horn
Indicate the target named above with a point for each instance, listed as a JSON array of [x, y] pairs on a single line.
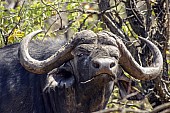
[[57, 59], [134, 69]]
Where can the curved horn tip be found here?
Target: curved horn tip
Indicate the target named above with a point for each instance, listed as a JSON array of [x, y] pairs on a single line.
[[43, 66]]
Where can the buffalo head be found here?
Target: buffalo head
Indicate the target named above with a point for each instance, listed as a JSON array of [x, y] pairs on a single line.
[[100, 53]]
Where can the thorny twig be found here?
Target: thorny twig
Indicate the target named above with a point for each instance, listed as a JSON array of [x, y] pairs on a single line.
[[148, 17], [61, 24]]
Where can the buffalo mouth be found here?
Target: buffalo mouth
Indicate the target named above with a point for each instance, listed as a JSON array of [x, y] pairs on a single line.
[[111, 77]]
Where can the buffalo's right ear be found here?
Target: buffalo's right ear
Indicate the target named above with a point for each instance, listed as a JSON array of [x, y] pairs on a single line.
[[59, 78]]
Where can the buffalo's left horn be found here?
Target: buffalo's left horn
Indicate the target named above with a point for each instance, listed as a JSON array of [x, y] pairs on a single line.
[[134, 69], [57, 59]]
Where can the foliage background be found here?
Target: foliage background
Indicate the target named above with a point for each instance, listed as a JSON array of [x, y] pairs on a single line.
[[65, 17]]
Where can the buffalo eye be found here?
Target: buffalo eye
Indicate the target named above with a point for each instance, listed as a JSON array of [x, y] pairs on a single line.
[[80, 54]]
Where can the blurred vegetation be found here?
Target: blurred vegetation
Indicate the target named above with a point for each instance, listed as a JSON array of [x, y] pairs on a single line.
[[69, 16], [32, 15]]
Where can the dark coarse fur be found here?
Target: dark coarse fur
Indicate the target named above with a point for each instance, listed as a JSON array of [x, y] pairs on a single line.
[[20, 90]]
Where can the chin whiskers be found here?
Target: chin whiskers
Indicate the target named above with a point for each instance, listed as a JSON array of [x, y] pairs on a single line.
[[87, 81], [113, 78]]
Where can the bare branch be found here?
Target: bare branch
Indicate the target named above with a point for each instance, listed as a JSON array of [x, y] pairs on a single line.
[[161, 107], [61, 24], [6, 36]]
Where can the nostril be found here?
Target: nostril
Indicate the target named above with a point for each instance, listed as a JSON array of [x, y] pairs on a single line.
[[112, 64], [96, 65]]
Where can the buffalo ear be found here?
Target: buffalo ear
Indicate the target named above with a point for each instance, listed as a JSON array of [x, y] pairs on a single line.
[[59, 77]]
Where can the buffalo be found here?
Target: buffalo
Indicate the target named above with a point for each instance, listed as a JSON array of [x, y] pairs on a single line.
[[69, 77]]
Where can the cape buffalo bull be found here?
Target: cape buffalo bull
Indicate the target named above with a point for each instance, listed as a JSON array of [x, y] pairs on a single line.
[[77, 76]]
